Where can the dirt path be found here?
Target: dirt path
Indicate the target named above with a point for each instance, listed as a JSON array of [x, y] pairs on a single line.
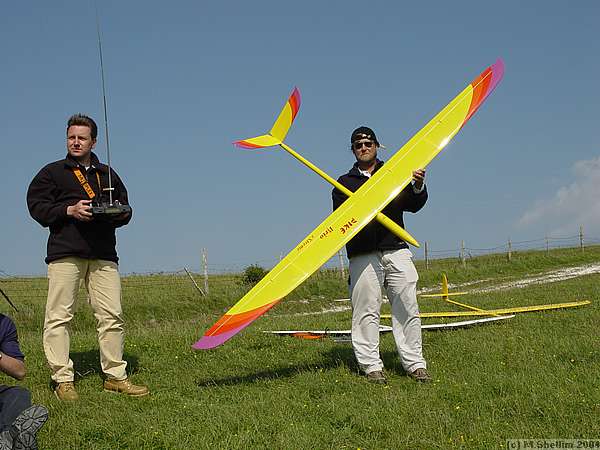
[[547, 277]]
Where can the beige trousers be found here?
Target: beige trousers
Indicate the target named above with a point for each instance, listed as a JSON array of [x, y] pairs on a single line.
[[369, 274], [103, 285]]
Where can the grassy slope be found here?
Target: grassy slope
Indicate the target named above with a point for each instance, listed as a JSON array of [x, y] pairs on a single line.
[[534, 376]]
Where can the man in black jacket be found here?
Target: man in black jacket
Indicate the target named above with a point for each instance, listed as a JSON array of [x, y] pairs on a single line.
[[378, 259], [81, 247]]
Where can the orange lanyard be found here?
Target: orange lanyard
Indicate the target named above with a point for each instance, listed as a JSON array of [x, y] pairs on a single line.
[[84, 182]]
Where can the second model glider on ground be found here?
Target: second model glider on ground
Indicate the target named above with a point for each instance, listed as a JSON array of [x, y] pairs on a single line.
[[445, 295], [356, 212], [344, 335]]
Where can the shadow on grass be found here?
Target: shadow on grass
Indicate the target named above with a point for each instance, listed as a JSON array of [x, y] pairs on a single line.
[[391, 362], [88, 363], [345, 355], [332, 359], [341, 355]]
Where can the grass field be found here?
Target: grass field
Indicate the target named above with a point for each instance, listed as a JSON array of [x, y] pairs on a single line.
[[534, 376]]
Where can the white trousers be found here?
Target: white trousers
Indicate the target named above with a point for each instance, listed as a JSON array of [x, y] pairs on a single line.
[[369, 274], [103, 285]]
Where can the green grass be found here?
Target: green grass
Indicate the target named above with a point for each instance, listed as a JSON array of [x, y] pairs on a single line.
[[533, 376]]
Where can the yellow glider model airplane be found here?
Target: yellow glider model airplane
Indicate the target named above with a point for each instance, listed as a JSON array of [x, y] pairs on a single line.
[[361, 207], [445, 295]]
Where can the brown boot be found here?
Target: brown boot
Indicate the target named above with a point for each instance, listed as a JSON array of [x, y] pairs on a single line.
[[376, 377], [66, 392], [420, 375], [126, 387]]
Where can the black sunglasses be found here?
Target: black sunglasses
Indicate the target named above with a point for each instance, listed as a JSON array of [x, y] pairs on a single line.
[[358, 145]]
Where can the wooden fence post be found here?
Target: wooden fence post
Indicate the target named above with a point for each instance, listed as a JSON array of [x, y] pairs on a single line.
[[509, 254], [463, 258], [205, 269], [426, 256], [581, 238], [194, 281], [342, 267]]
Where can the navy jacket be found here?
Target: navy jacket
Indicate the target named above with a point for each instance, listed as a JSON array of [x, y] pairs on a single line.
[[374, 236], [53, 189], [9, 341]]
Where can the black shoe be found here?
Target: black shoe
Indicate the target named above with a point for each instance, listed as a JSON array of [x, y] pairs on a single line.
[[376, 377], [6, 440], [25, 427]]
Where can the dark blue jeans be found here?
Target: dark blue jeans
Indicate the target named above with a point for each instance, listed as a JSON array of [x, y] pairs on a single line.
[[13, 401]]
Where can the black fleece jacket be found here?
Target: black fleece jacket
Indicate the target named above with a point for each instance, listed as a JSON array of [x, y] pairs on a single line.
[[375, 237], [53, 189]]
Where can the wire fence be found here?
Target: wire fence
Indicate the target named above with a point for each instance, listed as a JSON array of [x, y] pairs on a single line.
[[25, 291], [338, 262], [546, 243], [427, 252], [228, 280]]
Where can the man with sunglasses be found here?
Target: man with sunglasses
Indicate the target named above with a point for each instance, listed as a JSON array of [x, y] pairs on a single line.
[[378, 259]]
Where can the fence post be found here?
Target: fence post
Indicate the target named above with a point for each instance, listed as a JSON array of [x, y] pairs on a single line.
[[194, 281], [463, 259], [342, 267], [547, 246], [426, 256], [509, 254], [581, 238], [205, 269]]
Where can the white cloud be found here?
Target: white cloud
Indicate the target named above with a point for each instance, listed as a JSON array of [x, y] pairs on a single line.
[[573, 205]]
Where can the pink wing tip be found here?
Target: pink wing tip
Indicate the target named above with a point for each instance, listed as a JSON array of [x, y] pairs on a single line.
[[483, 86], [208, 342], [295, 101], [246, 145], [497, 73]]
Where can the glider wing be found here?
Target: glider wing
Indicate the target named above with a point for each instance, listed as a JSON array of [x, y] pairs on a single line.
[[317, 334], [500, 311]]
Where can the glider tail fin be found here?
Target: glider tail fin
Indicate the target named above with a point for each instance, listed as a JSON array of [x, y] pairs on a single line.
[[266, 140], [444, 286], [280, 128], [286, 116]]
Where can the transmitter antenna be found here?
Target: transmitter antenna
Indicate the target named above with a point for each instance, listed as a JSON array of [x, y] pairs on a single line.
[[111, 208], [110, 188]]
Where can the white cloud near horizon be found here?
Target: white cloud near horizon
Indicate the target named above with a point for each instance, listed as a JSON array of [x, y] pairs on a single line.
[[571, 206]]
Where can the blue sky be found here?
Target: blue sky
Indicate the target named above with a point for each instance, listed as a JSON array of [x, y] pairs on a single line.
[[186, 78]]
